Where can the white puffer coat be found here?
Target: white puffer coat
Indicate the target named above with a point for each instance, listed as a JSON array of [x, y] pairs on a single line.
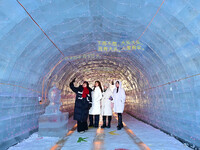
[[106, 109], [119, 99], [96, 99]]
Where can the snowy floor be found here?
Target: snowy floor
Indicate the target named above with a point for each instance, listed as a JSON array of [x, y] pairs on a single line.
[[108, 139]]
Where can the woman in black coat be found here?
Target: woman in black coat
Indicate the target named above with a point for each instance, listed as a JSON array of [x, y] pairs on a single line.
[[83, 103]]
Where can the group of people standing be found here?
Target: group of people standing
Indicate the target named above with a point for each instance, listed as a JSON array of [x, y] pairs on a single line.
[[98, 101]]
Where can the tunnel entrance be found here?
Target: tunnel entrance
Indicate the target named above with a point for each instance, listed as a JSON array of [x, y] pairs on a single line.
[[97, 66]]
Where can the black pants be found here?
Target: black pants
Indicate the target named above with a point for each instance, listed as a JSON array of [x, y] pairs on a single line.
[[82, 126], [96, 121], [120, 124], [109, 120]]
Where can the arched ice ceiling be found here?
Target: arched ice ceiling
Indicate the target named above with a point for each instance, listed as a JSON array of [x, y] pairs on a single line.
[[76, 26], [171, 43]]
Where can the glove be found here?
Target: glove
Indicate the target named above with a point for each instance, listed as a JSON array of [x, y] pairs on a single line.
[[73, 80]]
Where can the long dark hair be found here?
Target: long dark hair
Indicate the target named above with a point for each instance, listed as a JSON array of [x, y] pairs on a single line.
[[87, 84], [117, 87], [99, 83]]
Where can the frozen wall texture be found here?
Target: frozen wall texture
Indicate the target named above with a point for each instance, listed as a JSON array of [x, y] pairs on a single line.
[[171, 55], [20, 110]]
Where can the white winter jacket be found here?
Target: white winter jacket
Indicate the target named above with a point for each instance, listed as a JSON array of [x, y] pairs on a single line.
[[119, 99], [96, 98], [106, 109]]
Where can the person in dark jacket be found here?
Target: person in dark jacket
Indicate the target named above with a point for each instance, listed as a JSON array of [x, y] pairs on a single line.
[[83, 103]]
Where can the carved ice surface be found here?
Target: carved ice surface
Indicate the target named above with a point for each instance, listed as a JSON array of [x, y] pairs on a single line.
[[53, 122]]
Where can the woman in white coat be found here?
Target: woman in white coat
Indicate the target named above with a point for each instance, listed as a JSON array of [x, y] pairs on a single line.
[[95, 109], [119, 98], [106, 109]]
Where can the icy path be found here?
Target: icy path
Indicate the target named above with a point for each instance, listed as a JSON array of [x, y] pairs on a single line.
[[108, 139], [34, 142], [153, 138]]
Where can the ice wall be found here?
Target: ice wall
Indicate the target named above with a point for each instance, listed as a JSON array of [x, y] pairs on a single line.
[[19, 113], [173, 109]]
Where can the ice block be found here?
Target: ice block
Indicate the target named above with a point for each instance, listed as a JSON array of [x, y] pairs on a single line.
[[53, 122]]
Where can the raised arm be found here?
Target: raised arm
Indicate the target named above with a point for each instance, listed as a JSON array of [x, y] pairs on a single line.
[[73, 88]]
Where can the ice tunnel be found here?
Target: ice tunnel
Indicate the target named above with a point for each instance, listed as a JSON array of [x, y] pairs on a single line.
[[152, 46]]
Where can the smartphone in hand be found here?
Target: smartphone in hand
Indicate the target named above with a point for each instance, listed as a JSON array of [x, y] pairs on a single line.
[[110, 98]]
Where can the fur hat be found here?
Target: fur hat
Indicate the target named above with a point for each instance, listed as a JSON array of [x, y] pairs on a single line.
[[106, 84]]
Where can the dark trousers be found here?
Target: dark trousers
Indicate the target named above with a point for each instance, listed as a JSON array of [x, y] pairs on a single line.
[[96, 121], [82, 126], [109, 121], [120, 124]]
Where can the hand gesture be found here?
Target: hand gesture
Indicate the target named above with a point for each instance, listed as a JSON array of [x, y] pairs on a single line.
[[74, 80]]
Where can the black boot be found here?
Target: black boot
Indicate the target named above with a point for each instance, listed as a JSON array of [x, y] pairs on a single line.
[[96, 125], [104, 122], [121, 122], [91, 121], [109, 121], [120, 125]]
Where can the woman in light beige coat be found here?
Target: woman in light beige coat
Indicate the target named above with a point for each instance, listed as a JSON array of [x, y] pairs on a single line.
[[106, 109]]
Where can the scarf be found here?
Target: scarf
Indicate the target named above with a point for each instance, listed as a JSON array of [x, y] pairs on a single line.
[[85, 92], [117, 89]]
